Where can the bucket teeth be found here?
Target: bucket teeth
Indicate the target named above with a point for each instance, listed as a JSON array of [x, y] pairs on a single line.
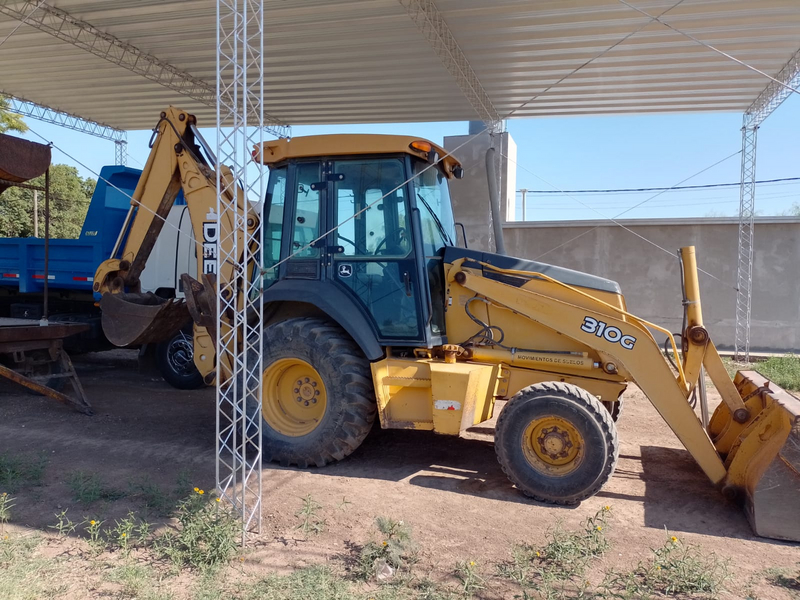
[[136, 319]]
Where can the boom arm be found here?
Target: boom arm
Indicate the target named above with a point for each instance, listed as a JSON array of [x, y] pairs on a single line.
[[175, 163]]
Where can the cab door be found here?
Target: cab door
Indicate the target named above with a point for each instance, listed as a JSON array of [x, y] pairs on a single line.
[[371, 253]]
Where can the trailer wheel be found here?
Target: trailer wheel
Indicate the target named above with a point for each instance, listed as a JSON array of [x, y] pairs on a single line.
[[175, 361], [318, 399], [557, 443]]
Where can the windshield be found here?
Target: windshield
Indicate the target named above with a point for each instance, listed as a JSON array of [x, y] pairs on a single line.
[[436, 212]]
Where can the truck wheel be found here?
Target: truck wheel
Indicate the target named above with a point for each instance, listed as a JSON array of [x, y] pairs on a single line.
[[556, 443], [318, 398], [614, 409], [175, 361]]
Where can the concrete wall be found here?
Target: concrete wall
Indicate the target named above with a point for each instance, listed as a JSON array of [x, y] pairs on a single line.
[[650, 278], [470, 195]]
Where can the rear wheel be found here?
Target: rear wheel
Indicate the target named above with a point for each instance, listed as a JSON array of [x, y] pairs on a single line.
[[318, 399], [556, 442], [175, 361]]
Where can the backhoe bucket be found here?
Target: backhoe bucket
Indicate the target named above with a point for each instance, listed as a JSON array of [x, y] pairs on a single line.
[[763, 458], [136, 319]]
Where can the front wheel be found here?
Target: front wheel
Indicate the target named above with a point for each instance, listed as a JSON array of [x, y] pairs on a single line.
[[557, 443], [318, 399]]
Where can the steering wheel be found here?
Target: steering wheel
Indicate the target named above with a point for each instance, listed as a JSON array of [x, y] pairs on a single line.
[[401, 233]]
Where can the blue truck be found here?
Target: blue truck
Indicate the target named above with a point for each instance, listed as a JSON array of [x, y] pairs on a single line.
[[72, 265]]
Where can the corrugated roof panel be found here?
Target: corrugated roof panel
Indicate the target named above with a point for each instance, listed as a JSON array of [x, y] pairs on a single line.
[[365, 61]]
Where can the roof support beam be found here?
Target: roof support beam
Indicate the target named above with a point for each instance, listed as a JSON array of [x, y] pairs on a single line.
[[432, 25], [85, 36], [26, 108], [764, 105]]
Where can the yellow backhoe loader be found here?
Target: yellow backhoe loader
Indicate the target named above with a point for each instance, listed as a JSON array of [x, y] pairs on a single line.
[[385, 315]]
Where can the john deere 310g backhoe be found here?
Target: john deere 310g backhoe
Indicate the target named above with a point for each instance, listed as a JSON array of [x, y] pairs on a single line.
[[385, 315]]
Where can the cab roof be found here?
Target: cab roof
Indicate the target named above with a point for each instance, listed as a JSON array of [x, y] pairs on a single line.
[[348, 144]]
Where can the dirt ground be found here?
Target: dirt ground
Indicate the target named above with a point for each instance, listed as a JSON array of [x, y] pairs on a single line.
[[451, 490]]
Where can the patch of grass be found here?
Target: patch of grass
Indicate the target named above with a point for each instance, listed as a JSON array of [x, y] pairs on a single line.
[[87, 488], [152, 496], [394, 553], [24, 575], [674, 569], [783, 370], [784, 578], [556, 569], [310, 521], [19, 471], [318, 582], [206, 537], [138, 582]]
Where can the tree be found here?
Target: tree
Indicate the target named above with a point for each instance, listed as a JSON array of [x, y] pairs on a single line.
[[70, 195], [10, 121]]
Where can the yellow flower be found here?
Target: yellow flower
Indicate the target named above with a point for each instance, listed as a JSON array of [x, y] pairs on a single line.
[[607, 507], [658, 568], [241, 559], [674, 539], [201, 492], [196, 489], [472, 563], [124, 534], [92, 522], [217, 499], [537, 553], [599, 528], [385, 543]]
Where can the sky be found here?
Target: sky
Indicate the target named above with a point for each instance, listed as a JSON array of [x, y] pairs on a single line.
[[574, 153]]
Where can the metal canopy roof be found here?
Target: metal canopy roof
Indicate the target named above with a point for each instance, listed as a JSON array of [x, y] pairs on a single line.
[[357, 61]]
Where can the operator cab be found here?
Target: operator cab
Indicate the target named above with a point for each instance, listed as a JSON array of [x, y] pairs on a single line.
[[357, 224]]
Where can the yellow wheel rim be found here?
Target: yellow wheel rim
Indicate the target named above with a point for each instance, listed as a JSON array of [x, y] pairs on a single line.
[[295, 398], [553, 446]]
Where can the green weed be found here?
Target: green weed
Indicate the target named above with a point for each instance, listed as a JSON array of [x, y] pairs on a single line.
[[94, 531], [468, 575], [17, 472], [784, 578], [6, 504], [674, 569], [310, 522], [396, 550], [87, 488], [206, 535], [556, 568], [151, 495], [64, 526]]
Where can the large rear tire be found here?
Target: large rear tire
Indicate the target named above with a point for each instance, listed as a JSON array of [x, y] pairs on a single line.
[[557, 443], [318, 396]]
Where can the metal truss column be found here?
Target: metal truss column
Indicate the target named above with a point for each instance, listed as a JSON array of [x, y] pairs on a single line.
[[778, 90], [240, 125], [744, 276], [121, 152]]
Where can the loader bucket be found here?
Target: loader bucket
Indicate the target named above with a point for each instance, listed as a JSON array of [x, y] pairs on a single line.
[[764, 460], [136, 319], [21, 160]]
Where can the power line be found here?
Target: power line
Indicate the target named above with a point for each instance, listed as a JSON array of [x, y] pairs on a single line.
[[660, 189]]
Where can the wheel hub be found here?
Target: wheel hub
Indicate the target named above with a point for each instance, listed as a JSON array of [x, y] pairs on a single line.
[[294, 397], [553, 445], [554, 442]]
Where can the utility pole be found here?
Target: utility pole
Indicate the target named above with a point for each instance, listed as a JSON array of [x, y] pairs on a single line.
[[35, 213], [524, 192]]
